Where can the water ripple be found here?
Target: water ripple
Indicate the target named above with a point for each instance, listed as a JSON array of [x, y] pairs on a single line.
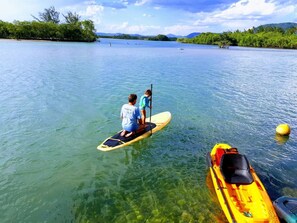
[[60, 100]]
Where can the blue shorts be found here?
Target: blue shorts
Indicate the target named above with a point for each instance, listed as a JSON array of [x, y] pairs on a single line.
[[131, 128]]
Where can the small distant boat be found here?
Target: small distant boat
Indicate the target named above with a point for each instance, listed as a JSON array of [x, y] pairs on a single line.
[[240, 192], [286, 208]]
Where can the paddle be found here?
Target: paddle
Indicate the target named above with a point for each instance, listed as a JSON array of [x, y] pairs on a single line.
[[151, 103], [222, 192]]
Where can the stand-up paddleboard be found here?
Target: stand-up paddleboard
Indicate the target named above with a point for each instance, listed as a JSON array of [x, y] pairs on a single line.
[[158, 122]]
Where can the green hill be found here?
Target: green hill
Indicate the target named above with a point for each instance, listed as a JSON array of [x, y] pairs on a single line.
[[281, 35], [284, 26]]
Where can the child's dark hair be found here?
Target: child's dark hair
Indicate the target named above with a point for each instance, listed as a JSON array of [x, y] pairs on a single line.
[[148, 92], [132, 97]]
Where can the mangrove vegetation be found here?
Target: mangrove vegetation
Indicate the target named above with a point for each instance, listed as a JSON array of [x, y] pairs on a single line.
[[47, 26], [263, 36]]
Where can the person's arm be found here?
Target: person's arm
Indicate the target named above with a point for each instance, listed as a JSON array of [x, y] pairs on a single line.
[[138, 116], [147, 102], [121, 114]]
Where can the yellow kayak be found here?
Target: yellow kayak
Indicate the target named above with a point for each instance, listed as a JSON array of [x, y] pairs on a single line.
[[158, 122], [240, 192]]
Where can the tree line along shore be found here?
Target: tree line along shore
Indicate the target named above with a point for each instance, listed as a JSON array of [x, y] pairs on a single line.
[[263, 36], [47, 26]]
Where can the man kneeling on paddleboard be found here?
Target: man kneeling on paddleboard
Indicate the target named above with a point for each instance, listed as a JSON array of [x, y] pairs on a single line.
[[130, 117]]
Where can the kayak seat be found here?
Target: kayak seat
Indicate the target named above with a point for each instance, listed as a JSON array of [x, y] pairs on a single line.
[[236, 169], [219, 154]]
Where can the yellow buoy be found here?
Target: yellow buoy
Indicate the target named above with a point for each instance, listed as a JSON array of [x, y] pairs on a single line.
[[283, 129]]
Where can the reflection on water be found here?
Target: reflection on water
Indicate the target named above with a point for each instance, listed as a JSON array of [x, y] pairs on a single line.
[[281, 139], [290, 192]]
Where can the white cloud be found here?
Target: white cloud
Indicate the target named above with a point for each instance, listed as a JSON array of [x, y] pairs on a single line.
[[244, 14], [87, 10], [125, 27], [141, 2], [92, 10], [146, 15], [248, 8], [20, 10], [287, 13], [241, 15]]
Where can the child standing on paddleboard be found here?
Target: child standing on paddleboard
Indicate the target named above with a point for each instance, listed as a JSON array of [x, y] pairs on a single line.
[[143, 103], [130, 116]]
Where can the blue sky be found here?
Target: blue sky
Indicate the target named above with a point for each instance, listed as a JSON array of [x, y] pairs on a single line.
[[152, 17]]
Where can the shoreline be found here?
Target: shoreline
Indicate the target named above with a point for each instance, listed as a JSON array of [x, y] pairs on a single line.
[[98, 40], [48, 40]]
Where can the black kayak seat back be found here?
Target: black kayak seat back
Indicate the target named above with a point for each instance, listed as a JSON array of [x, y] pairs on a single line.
[[236, 169]]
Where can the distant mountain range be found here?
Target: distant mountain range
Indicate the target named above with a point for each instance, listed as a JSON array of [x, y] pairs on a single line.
[[191, 35], [116, 34], [285, 26]]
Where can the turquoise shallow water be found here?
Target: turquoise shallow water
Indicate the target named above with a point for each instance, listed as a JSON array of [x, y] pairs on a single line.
[[60, 100]]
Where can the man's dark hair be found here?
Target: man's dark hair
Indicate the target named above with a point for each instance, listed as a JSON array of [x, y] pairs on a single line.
[[132, 97]]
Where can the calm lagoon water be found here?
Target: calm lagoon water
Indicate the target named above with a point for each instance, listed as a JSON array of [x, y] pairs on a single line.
[[60, 100]]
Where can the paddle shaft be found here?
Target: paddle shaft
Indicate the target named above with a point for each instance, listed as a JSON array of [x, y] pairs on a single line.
[[151, 103], [223, 194]]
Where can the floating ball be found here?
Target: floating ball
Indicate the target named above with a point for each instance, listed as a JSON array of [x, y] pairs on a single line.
[[283, 129]]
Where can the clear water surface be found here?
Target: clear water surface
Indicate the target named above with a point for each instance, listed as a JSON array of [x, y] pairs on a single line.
[[60, 100]]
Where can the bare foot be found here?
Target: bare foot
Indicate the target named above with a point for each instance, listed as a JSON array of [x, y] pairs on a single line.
[[123, 133], [130, 134]]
